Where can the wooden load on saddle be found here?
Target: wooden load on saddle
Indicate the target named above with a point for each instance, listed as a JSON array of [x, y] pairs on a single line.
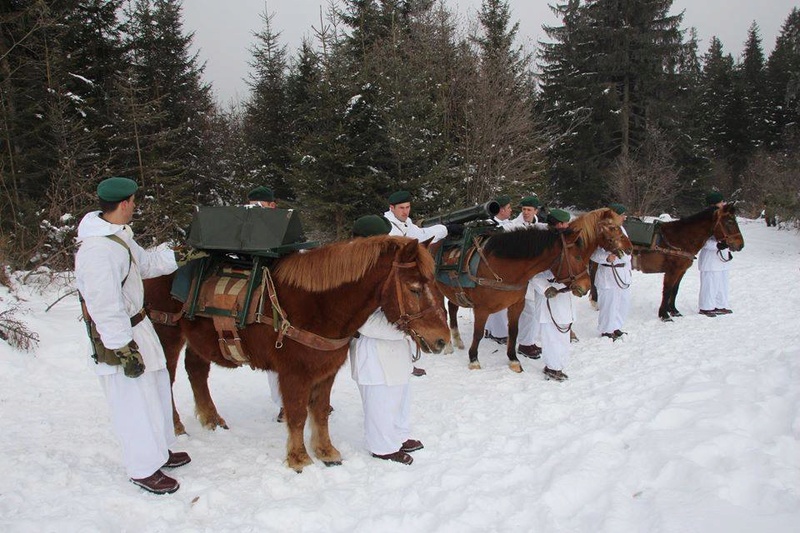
[[458, 256], [230, 283]]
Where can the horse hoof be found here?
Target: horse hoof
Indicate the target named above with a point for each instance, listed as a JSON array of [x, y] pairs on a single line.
[[475, 366], [448, 348], [666, 319], [515, 367], [332, 463]]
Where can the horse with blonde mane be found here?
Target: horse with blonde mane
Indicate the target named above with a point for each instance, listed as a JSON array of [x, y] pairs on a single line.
[[325, 294]]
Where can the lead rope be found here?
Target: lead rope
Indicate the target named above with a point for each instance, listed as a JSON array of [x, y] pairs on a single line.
[[559, 328], [618, 279]]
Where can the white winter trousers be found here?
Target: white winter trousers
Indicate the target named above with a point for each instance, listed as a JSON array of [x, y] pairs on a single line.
[[387, 417], [141, 415]]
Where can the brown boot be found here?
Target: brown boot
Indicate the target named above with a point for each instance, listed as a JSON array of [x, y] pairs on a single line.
[[157, 483], [398, 457], [177, 459], [557, 375], [411, 445], [530, 350]]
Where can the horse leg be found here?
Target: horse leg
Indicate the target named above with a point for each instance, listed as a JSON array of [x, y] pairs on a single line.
[[477, 334], [319, 409], [295, 391], [666, 291], [513, 332], [673, 311], [452, 311], [172, 341], [197, 369]]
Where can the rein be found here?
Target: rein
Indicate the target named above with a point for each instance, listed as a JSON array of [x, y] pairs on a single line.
[[725, 237], [404, 322], [571, 277], [561, 329]]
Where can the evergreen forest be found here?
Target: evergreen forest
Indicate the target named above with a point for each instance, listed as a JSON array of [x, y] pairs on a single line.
[[618, 103]]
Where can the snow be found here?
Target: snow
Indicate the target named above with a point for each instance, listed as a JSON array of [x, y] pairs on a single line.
[[690, 426]]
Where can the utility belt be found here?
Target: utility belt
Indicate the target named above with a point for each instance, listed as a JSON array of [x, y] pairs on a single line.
[[101, 354], [616, 265]]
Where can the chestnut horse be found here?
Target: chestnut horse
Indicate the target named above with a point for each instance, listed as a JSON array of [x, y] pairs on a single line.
[[330, 292], [516, 256], [677, 244]]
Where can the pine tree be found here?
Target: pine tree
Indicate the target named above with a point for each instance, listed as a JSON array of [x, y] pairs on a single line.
[[500, 143], [165, 84], [752, 76], [267, 119], [783, 83]]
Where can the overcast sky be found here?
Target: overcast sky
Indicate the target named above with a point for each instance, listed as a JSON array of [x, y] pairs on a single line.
[[224, 28]]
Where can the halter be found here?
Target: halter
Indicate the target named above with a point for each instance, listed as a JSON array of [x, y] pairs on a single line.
[[404, 322], [559, 261], [725, 236]]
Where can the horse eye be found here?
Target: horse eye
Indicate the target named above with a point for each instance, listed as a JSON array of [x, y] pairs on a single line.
[[415, 289]]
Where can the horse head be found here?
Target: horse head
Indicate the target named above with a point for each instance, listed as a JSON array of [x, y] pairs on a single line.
[[410, 300], [726, 229], [612, 238], [570, 267]]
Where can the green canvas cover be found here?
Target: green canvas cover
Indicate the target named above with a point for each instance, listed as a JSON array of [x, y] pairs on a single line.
[[640, 232], [246, 229]]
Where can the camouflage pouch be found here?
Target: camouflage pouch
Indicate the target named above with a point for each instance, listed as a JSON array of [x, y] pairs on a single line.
[[101, 353], [131, 360]]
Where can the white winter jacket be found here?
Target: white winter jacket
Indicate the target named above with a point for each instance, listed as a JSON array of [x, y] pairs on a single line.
[[101, 265], [709, 259], [605, 275], [560, 305], [411, 230], [382, 354]]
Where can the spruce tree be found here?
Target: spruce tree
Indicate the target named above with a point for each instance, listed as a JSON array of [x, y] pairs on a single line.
[[783, 83], [266, 124]]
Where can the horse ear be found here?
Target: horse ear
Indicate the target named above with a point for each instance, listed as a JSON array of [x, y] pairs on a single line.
[[409, 251], [427, 243]]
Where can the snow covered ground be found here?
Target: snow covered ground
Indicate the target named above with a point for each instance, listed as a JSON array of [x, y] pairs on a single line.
[[689, 426]]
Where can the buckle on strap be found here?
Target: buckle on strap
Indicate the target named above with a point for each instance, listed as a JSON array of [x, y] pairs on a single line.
[[138, 317]]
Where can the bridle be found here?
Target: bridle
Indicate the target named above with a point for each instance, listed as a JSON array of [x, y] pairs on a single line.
[[725, 235], [404, 322], [558, 263]]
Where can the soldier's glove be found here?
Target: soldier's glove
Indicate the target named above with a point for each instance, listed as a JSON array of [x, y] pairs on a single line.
[[131, 360], [550, 292], [722, 245]]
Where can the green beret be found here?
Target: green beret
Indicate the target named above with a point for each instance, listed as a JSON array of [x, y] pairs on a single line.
[[261, 194], [530, 201], [370, 225], [503, 200], [399, 197], [116, 189], [714, 197], [617, 208], [558, 215]]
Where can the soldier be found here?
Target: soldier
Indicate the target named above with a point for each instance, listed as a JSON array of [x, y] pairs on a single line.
[[613, 281], [402, 225], [398, 216], [262, 196], [713, 262], [130, 363], [380, 362], [528, 322], [497, 323], [555, 315]]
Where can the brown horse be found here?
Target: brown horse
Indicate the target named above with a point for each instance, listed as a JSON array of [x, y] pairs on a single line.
[[330, 292], [514, 257], [677, 244]]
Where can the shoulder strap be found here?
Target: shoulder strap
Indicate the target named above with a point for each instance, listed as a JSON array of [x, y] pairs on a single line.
[[122, 243]]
